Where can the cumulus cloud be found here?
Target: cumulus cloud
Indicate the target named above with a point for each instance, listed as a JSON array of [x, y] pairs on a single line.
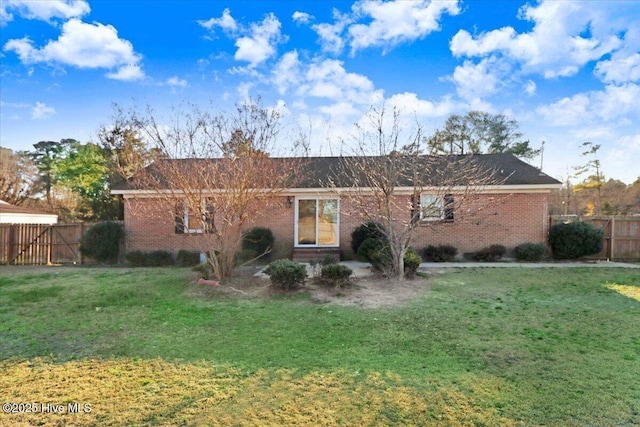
[[255, 43], [301, 17], [474, 81], [373, 23], [226, 22], [530, 87], [42, 111], [175, 81], [614, 103], [43, 10], [619, 69], [397, 22], [83, 45], [565, 36], [287, 72]]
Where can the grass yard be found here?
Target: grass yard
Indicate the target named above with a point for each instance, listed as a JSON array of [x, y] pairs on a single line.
[[482, 347]]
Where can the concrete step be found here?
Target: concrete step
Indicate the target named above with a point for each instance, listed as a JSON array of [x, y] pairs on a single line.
[[309, 254]]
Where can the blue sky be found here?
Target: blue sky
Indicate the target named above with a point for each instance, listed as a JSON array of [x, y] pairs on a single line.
[[567, 71]]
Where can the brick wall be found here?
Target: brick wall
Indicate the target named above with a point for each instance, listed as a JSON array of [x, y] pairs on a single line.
[[479, 221]]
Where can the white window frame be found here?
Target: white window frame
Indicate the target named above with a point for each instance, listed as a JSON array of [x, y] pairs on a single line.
[[188, 218], [431, 207], [317, 199]]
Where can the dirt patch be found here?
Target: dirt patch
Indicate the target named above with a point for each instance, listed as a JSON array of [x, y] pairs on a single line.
[[370, 291]]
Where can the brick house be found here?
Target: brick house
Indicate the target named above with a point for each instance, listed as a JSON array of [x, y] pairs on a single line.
[[317, 213]]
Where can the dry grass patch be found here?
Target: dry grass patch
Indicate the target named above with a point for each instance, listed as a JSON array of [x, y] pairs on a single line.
[[626, 290], [156, 392]]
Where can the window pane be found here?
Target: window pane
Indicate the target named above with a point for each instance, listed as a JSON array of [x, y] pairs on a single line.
[[328, 222], [430, 208], [306, 222]]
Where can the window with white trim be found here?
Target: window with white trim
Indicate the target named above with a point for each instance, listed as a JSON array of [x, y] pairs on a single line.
[[436, 208], [188, 221]]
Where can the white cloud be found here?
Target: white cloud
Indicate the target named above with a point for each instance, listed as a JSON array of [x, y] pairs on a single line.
[[175, 81], [256, 43], [226, 22], [42, 111], [565, 36], [475, 80], [301, 17], [388, 24], [397, 22], [287, 72], [409, 104], [614, 103], [43, 10], [530, 87], [84, 46], [619, 69], [128, 72]]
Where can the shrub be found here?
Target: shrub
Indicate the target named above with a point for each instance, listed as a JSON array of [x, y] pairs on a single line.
[[102, 241], [336, 275], [317, 264], [530, 251], [286, 274], [203, 270], [258, 239], [188, 258], [440, 253], [244, 256], [574, 240], [376, 251], [369, 230], [411, 262], [136, 258], [159, 259], [491, 253]]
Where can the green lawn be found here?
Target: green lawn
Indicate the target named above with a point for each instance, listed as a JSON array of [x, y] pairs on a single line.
[[482, 347]]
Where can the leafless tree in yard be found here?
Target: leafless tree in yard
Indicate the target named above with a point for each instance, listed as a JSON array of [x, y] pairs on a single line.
[[218, 176], [390, 182]]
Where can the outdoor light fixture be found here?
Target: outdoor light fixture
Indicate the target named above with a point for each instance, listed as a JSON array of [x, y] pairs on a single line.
[[289, 202]]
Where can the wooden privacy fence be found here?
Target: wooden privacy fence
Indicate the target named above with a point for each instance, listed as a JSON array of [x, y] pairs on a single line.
[[621, 236], [38, 244]]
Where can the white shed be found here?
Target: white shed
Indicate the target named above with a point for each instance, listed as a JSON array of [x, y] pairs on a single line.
[[10, 214]]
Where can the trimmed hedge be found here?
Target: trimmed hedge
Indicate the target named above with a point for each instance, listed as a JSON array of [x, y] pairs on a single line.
[[369, 230], [102, 241], [286, 274], [259, 240], [150, 259], [530, 252], [411, 262], [575, 239], [188, 258], [336, 275], [491, 253], [440, 253]]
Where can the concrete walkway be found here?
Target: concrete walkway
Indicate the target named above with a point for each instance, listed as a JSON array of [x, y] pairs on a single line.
[[360, 268]]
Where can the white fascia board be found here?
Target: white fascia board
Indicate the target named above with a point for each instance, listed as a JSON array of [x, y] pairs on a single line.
[[522, 188], [24, 218]]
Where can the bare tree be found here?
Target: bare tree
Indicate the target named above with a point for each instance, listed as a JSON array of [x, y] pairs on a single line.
[[384, 179], [217, 172], [18, 177]]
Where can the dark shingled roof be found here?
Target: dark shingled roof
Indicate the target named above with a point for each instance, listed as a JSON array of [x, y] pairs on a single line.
[[505, 169]]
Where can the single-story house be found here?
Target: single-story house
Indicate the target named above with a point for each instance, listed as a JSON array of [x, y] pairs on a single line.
[[10, 214], [319, 210]]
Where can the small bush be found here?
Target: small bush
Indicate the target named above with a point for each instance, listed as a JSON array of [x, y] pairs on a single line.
[[203, 270], [440, 253], [258, 239], [369, 247], [336, 275], [102, 241], [286, 274], [317, 264], [491, 253], [159, 259], [411, 262], [136, 258], [369, 230], [244, 256], [574, 240], [188, 258], [530, 252]]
